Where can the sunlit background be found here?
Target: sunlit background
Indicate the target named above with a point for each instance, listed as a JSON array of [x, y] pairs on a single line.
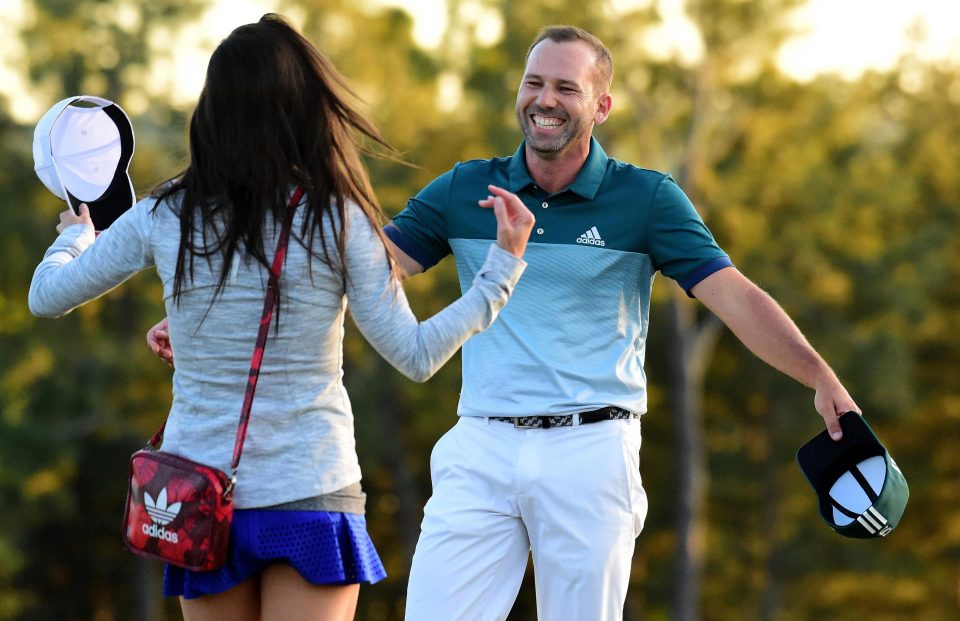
[[833, 36]]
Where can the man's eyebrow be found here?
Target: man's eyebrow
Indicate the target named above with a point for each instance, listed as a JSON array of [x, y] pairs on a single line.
[[560, 81]]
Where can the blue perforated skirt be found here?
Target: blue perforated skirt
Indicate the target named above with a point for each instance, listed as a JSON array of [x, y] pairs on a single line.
[[324, 547]]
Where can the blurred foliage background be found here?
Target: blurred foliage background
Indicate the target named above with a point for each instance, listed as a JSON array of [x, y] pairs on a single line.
[[839, 196]]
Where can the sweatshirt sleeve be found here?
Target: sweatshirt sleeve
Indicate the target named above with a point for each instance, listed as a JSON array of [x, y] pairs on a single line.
[[80, 267], [380, 309]]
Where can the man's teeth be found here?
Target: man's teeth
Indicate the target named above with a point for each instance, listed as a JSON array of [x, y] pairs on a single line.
[[543, 121]]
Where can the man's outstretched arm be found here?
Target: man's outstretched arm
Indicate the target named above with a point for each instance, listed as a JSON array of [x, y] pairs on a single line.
[[408, 265], [767, 331]]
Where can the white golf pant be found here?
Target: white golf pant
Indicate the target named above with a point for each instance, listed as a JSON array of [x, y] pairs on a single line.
[[571, 496]]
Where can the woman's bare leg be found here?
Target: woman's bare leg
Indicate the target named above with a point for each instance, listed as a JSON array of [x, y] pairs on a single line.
[[286, 596], [241, 603]]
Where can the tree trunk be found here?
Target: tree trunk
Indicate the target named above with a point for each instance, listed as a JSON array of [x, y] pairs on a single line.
[[147, 584], [770, 602], [692, 345], [394, 417]]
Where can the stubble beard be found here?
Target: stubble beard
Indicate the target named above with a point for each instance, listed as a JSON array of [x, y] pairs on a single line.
[[548, 148]]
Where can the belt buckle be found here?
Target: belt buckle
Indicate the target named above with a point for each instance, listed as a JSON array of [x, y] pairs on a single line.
[[527, 422]]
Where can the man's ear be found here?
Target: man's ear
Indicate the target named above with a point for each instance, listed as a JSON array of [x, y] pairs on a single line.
[[604, 104]]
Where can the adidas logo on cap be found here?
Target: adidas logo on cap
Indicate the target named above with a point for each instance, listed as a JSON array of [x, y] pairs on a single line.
[[591, 238]]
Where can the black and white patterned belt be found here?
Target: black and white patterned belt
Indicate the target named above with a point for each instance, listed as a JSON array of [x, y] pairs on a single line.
[[546, 422]]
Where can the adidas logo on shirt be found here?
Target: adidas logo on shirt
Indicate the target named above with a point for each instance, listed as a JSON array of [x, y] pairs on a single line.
[[591, 237]]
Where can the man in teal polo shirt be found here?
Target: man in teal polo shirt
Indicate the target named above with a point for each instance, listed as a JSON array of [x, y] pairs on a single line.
[[545, 456]]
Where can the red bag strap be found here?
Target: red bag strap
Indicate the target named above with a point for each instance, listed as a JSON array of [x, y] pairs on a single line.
[[269, 303]]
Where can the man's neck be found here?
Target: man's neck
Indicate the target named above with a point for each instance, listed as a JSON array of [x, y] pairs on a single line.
[[559, 172]]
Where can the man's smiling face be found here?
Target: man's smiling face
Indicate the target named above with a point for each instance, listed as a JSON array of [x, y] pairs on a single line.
[[557, 102]]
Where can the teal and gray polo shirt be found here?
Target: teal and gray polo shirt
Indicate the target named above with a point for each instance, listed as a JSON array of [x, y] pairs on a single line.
[[572, 338]]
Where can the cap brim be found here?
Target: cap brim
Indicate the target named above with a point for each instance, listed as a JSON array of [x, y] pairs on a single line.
[[824, 459]]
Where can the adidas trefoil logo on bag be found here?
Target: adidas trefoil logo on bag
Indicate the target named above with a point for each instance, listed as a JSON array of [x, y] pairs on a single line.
[[591, 237], [161, 514]]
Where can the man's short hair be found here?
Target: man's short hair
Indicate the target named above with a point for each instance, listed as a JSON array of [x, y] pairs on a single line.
[[564, 34]]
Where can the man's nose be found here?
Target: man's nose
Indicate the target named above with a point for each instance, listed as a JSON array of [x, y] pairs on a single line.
[[547, 97]]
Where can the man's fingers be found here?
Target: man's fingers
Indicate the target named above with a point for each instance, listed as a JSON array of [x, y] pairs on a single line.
[[831, 417], [158, 339], [833, 428], [831, 401]]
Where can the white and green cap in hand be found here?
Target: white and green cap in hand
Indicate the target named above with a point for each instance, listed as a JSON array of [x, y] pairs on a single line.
[[860, 489]]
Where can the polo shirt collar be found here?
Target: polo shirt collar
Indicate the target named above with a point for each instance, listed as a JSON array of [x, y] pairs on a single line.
[[588, 179]]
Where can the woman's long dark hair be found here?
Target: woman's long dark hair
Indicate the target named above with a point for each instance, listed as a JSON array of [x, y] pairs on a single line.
[[272, 114]]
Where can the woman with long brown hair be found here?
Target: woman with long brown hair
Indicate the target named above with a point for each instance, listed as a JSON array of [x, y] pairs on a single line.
[[274, 116]]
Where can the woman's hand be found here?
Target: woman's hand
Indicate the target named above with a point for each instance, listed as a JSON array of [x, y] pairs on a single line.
[[158, 338], [70, 217], [514, 220]]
